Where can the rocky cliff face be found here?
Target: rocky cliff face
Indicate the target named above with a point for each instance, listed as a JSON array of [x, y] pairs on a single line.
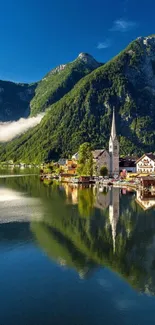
[[88, 60], [15, 100]]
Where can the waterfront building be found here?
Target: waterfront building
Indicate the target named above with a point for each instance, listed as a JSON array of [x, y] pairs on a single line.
[[146, 164]]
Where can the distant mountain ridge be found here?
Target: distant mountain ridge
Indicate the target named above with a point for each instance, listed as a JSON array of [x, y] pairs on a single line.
[[80, 97], [15, 100]]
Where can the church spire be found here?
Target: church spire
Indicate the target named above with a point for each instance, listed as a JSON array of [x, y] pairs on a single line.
[[113, 127]]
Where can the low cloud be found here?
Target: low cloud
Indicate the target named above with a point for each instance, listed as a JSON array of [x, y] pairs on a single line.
[[122, 25], [10, 130], [104, 45]]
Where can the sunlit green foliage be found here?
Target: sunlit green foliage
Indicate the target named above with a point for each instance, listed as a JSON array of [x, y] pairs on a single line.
[[84, 112], [85, 160], [57, 83]]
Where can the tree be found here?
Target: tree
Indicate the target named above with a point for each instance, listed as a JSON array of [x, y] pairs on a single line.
[[85, 160], [103, 171]]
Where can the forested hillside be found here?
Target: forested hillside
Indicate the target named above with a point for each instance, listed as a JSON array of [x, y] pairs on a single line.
[[127, 83]]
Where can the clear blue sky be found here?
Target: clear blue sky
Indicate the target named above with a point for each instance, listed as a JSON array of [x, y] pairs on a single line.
[[36, 36]]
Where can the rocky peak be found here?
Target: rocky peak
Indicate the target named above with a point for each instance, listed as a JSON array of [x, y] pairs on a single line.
[[58, 69], [149, 40], [88, 59], [147, 44]]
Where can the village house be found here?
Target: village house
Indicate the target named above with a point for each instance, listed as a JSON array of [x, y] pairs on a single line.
[[146, 164], [128, 164]]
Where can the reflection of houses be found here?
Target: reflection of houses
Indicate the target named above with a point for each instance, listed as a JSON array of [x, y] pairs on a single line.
[[146, 164], [114, 213], [145, 199], [71, 193], [147, 181]]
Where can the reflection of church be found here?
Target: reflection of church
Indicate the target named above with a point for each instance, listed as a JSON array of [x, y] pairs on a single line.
[[114, 213], [110, 199]]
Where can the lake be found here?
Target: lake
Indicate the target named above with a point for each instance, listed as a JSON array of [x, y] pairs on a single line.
[[75, 256]]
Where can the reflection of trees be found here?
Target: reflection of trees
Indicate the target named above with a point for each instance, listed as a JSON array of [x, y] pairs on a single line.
[[61, 248], [88, 241], [86, 201], [80, 235]]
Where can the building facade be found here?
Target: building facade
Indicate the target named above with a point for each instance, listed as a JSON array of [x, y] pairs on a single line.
[[101, 158], [146, 164]]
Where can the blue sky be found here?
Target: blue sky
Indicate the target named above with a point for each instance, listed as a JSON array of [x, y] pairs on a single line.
[[36, 36]]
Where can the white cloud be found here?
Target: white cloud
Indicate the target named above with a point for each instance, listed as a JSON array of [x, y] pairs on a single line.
[[122, 25], [104, 45], [10, 130]]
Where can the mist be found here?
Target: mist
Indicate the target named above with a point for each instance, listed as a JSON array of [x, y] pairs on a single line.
[[10, 130]]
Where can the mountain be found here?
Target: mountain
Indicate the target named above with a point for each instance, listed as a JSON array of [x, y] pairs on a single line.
[[60, 81], [20, 100], [15, 100], [127, 82]]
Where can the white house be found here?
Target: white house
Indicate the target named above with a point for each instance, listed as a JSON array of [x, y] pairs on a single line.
[[146, 164]]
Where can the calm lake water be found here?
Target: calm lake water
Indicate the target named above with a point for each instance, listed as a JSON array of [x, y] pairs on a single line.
[[75, 256]]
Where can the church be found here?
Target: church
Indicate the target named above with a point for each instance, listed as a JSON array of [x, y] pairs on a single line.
[[103, 157], [109, 159]]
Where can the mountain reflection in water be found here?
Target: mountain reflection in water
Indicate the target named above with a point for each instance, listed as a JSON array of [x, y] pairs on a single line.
[[85, 228]]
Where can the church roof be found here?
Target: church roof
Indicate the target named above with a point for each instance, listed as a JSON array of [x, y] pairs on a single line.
[[97, 153], [113, 127], [149, 155]]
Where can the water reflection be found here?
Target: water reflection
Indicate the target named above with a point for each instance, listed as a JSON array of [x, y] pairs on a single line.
[[146, 199], [100, 229], [88, 228], [18, 207]]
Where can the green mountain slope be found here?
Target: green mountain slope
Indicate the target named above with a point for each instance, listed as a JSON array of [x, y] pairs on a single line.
[[15, 100], [60, 81], [84, 114]]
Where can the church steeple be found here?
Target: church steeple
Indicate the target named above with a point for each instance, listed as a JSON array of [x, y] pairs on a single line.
[[113, 149], [113, 127]]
